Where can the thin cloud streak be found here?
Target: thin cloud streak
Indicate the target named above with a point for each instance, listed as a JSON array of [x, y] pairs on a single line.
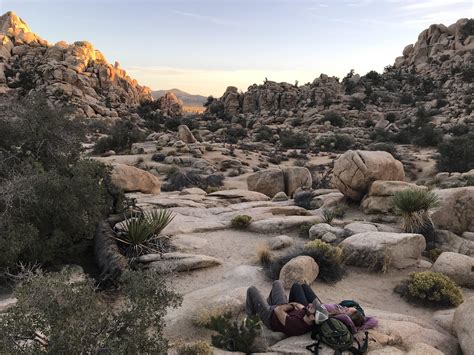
[[205, 18]]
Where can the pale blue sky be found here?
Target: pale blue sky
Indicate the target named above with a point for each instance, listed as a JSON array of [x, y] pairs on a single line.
[[203, 46]]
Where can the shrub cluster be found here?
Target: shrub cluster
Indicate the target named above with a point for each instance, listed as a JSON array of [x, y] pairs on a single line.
[[59, 313], [241, 221], [431, 288], [50, 199], [179, 179], [121, 137], [456, 154], [292, 140], [334, 118]]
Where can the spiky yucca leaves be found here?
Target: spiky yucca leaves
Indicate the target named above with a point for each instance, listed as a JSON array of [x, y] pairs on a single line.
[[142, 232], [414, 206], [328, 215]]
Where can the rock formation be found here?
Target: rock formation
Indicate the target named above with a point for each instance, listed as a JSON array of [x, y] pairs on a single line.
[[76, 75]]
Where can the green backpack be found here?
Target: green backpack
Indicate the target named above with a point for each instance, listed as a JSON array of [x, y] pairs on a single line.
[[337, 335]]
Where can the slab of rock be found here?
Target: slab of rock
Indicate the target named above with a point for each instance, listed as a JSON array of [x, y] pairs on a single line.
[[445, 319], [7, 303], [268, 182], [280, 242], [448, 241], [456, 212], [318, 230], [368, 249], [186, 242], [193, 191], [463, 325], [459, 267], [302, 269], [241, 195], [296, 177], [131, 179], [176, 262], [379, 197], [359, 227], [355, 171], [282, 224]]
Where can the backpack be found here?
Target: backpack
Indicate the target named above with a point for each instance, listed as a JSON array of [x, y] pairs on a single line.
[[335, 334], [353, 304]]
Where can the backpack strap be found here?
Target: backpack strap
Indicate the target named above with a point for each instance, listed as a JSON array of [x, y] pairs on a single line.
[[360, 350], [314, 348]]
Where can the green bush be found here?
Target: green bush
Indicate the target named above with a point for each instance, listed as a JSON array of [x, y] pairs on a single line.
[[74, 318], [406, 99], [50, 201], [427, 136], [432, 288], [241, 221], [467, 73], [328, 215], [291, 140], [234, 134], [456, 154], [121, 137], [233, 335], [334, 118], [179, 179], [304, 199], [198, 348], [264, 133]]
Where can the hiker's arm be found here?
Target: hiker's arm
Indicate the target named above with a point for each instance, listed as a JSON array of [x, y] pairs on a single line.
[[281, 312], [297, 305]]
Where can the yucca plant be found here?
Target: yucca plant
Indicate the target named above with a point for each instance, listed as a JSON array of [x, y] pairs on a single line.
[[328, 215], [414, 207], [142, 232]]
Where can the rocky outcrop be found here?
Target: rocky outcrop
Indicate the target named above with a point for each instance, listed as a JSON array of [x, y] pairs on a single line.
[[74, 74], [458, 267], [170, 105], [287, 180], [463, 321], [302, 269], [379, 197], [456, 211], [382, 249], [268, 182], [131, 179], [355, 171], [185, 135], [176, 262]]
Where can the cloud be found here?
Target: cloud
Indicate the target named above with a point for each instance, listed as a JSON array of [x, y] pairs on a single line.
[[205, 18], [430, 4]]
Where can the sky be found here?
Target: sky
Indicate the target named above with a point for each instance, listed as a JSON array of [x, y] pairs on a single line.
[[203, 46]]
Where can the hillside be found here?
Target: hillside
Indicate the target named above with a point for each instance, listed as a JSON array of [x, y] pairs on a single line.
[[186, 98]]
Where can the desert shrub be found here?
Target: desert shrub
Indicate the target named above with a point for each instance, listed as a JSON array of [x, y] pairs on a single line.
[[291, 140], [304, 199], [234, 134], [241, 221], [178, 179], [467, 73], [158, 157], [198, 348], [356, 104], [414, 206], [121, 137], [468, 28], [50, 200], [337, 142], [427, 136], [172, 123], [459, 130], [141, 233], [334, 118], [275, 159], [264, 255], [375, 77], [330, 251], [264, 133], [303, 231], [72, 317], [406, 99], [331, 268], [391, 117], [232, 334], [456, 154], [431, 288]]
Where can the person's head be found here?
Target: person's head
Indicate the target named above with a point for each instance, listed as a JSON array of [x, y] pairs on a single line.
[[317, 312], [356, 317]]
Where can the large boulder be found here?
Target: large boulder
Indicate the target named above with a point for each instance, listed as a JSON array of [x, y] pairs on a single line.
[[318, 230], [300, 269], [268, 182], [131, 179], [356, 170], [185, 134], [463, 325], [171, 105], [295, 178], [456, 212], [458, 267], [379, 197], [382, 249]]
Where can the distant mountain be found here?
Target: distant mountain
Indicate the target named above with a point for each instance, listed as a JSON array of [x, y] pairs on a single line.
[[187, 99]]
